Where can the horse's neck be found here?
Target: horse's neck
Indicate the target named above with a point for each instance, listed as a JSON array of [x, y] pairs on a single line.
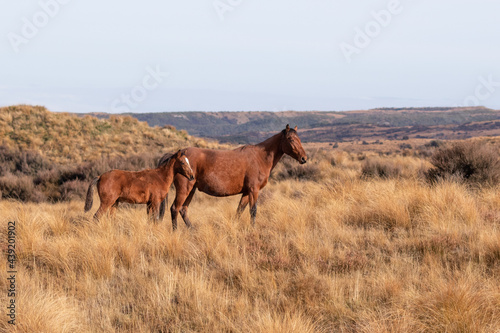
[[167, 170], [272, 150]]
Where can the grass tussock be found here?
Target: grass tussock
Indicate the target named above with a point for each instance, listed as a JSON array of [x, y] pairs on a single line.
[[473, 162]]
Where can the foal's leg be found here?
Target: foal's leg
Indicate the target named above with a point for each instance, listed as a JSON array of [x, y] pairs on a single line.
[[154, 210], [161, 212], [112, 209], [243, 204], [149, 209], [102, 209], [99, 213], [252, 198]]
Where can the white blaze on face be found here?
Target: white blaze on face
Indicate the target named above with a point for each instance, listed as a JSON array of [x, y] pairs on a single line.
[[189, 165]]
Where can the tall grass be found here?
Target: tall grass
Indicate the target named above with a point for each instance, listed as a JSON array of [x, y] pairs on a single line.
[[342, 254]]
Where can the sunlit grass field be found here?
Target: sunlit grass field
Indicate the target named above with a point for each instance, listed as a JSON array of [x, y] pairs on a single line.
[[338, 252]]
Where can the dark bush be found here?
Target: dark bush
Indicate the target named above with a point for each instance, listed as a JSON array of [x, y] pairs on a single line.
[[469, 162], [435, 144], [373, 168], [28, 176], [26, 162], [19, 187], [291, 169], [73, 189]]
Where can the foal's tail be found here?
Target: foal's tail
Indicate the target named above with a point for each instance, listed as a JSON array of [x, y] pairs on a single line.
[[90, 194]]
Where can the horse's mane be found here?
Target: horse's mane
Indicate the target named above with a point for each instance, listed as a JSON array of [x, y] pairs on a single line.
[[165, 159]]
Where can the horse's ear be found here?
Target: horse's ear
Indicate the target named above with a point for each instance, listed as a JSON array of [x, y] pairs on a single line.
[[295, 128], [287, 128]]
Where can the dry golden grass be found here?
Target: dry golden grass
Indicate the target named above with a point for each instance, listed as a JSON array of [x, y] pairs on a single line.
[[345, 254]]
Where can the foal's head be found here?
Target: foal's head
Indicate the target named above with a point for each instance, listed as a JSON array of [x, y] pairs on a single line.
[[182, 165], [292, 146]]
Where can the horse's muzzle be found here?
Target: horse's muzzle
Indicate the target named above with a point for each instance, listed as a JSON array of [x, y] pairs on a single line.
[[191, 178], [303, 160]]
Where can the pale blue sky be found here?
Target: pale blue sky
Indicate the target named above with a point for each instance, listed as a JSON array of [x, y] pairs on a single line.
[[248, 55]]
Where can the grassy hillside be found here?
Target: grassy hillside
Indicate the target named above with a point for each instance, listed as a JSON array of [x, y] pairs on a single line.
[[244, 127], [334, 249], [63, 137], [46, 156]]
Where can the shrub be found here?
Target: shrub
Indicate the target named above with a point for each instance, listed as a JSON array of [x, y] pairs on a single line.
[[380, 168], [19, 187], [73, 189], [28, 176], [469, 162], [26, 162], [435, 144], [291, 169]]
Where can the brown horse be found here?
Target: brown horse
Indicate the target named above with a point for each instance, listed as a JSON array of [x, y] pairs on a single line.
[[148, 186], [243, 170]]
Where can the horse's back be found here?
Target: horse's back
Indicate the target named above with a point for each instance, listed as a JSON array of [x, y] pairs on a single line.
[[222, 172]]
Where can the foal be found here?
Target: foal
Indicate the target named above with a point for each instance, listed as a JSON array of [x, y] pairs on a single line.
[[148, 186]]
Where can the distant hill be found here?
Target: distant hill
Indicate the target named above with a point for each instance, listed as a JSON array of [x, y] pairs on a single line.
[[386, 123]]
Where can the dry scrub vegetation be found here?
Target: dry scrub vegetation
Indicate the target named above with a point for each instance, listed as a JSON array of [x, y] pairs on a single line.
[[47, 156], [338, 246]]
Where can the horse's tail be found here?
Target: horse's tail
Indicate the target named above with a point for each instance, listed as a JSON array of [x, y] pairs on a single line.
[[90, 194]]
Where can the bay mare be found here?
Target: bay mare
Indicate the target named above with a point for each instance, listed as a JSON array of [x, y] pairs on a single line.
[[148, 186], [244, 170]]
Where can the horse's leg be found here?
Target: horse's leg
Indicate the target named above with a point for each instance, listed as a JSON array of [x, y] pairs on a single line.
[[252, 198], [243, 204], [161, 211], [182, 190], [184, 208], [149, 210], [154, 210]]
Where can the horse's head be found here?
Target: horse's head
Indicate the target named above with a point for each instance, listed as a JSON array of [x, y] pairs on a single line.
[[291, 145], [182, 165]]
